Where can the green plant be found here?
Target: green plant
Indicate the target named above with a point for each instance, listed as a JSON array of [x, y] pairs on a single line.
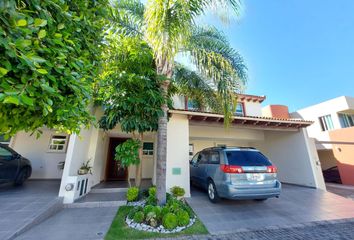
[[152, 192], [148, 208], [127, 154], [164, 211], [177, 191], [139, 217], [182, 218], [132, 194], [169, 221], [85, 167], [50, 57], [158, 211]]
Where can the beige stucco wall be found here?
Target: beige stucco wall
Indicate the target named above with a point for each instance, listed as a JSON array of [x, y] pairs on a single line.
[[177, 152], [253, 108], [295, 156], [44, 163]]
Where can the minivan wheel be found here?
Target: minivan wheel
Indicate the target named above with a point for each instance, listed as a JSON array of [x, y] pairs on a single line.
[[212, 193], [21, 177]]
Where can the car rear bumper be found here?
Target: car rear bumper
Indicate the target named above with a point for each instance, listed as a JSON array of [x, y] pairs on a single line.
[[233, 192]]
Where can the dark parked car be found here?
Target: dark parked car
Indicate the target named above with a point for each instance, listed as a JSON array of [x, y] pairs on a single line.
[[332, 175], [235, 173], [13, 167]]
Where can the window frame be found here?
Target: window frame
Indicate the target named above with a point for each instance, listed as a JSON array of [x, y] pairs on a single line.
[[52, 138], [346, 120], [148, 152], [326, 122], [243, 113]]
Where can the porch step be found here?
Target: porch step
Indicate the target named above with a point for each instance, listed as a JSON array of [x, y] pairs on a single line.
[[48, 210], [96, 204], [108, 190]]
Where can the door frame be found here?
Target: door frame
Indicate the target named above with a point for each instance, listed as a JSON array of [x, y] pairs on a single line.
[[109, 157]]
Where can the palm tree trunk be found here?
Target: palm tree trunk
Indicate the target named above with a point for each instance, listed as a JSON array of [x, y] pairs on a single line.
[[139, 167], [164, 69]]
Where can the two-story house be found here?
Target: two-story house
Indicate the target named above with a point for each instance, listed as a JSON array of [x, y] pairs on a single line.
[[333, 130], [283, 139]]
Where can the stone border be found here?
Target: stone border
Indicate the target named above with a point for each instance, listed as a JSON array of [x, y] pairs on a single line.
[[159, 229]]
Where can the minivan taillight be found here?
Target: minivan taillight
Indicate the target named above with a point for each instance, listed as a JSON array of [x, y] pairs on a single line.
[[231, 168], [271, 169]]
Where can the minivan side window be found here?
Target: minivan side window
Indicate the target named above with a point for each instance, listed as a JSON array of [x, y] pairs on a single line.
[[214, 157], [195, 158], [203, 158]]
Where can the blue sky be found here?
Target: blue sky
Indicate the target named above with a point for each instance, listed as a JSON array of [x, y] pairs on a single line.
[[299, 52]]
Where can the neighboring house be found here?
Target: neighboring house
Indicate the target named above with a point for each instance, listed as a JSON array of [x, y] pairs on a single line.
[[333, 130], [283, 139]]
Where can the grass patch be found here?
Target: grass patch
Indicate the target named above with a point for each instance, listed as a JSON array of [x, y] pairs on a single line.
[[120, 230]]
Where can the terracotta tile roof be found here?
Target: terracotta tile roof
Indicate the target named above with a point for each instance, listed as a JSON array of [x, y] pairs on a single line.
[[248, 97], [257, 121]]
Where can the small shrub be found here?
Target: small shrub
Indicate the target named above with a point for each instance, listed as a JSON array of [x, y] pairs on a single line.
[[152, 192], [139, 217], [148, 208], [132, 194], [174, 207], [151, 201], [177, 191], [164, 211], [182, 218], [157, 210], [151, 219], [169, 221]]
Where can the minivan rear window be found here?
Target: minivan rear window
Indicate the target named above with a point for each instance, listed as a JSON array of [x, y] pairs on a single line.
[[247, 158]]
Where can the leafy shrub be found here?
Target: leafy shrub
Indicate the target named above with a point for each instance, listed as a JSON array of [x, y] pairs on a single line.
[[152, 192], [169, 221], [177, 191], [139, 217], [164, 211], [182, 218], [148, 208], [157, 210], [132, 194], [134, 210]]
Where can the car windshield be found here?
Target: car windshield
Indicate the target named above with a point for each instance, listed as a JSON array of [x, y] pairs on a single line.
[[247, 158]]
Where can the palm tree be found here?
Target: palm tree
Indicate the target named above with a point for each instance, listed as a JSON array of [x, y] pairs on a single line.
[[169, 27]]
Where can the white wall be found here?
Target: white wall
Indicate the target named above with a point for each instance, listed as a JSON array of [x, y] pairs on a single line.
[[44, 163], [295, 156], [177, 152], [253, 108], [330, 107]]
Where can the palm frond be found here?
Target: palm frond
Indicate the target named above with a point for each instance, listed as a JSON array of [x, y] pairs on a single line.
[[127, 17], [214, 56]]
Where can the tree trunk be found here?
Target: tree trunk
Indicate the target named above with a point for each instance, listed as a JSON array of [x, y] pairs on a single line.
[[138, 169], [166, 70]]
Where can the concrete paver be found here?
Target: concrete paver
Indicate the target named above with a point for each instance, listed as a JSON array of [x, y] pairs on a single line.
[[296, 205], [20, 206], [73, 224]]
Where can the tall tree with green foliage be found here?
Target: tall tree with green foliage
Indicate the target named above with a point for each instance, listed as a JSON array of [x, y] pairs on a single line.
[[49, 57], [169, 27], [129, 90]]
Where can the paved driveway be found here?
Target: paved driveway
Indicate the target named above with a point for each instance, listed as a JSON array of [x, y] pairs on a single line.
[[22, 206], [296, 205]]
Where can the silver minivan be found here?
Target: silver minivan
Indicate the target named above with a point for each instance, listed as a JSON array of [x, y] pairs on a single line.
[[235, 173]]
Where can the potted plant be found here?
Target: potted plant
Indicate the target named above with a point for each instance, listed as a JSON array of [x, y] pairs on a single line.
[[85, 168]]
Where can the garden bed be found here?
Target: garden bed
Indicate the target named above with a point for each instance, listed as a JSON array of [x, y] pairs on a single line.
[[120, 230]]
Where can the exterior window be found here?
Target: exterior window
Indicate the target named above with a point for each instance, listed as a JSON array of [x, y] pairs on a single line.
[[191, 149], [148, 148], [326, 123], [240, 109], [3, 140], [346, 120], [192, 105], [58, 143], [214, 158], [5, 154]]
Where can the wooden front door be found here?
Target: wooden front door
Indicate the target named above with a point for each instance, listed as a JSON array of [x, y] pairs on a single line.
[[113, 169]]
